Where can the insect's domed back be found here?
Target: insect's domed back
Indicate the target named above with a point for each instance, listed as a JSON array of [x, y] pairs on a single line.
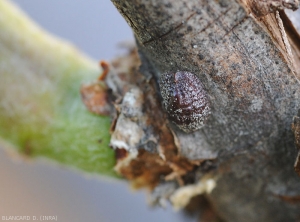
[[185, 100]]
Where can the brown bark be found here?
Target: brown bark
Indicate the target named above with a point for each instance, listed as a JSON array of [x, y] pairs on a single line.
[[249, 65]]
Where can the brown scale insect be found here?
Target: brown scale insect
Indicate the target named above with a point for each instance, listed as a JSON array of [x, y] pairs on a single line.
[[185, 100]]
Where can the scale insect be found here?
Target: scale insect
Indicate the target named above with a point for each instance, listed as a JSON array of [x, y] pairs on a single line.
[[185, 100]]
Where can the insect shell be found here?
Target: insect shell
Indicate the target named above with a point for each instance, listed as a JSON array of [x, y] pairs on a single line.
[[185, 100]]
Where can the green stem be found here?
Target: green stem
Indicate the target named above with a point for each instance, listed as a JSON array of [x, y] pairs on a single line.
[[41, 112]]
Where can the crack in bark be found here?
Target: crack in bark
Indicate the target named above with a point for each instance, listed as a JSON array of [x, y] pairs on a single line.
[[214, 21], [236, 25], [168, 32]]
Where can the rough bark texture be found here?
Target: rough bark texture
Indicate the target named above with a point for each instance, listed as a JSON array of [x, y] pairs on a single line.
[[249, 67]]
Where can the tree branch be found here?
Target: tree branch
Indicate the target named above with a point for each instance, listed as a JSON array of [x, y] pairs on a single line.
[[248, 64]]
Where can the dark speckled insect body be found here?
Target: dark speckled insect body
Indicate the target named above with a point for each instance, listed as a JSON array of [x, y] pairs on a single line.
[[185, 100]]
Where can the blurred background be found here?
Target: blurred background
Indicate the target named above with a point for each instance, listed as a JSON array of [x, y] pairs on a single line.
[[40, 189]]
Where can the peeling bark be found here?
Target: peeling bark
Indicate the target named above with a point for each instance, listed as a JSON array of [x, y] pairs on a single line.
[[246, 55], [145, 148]]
